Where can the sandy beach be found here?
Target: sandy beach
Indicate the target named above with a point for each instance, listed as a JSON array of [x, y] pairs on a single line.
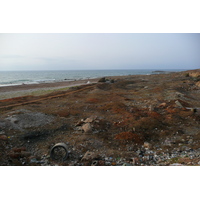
[[8, 92]]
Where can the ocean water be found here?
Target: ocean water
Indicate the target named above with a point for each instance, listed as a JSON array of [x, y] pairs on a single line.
[[8, 78]]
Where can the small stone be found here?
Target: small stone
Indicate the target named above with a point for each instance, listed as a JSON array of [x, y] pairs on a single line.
[[151, 108], [88, 156], [194, 110], [79, 123], [162, 105], [190, 141], [107, 163], [126, 164], [147, 145], [133, 161], [178, 104], [87, 128], [3, 137], [176, 164], [2, 133], [88, 120]]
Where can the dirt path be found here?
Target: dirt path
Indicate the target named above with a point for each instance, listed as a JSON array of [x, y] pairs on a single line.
[[45, 98]]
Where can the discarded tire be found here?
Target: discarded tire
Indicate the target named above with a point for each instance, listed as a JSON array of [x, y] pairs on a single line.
[[94, 163], [59, 152]]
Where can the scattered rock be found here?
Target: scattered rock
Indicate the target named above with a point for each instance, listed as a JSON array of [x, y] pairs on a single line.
[[3, 137], [167, 142], [80, 123], [178, 104], [2, 133], [87, 128], [194, 110], [162, 105], [179, 94], [147, 145], [151, 108], [176, 145], [89, 156], [194, 74], [90, 119], [126, 164], [176, 164], [198, 84], [133, 161]]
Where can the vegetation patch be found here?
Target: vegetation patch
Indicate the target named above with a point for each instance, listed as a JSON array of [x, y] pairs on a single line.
[[129, 136]]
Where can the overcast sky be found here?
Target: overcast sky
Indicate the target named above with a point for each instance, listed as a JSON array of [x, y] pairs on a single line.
[[99, 51]]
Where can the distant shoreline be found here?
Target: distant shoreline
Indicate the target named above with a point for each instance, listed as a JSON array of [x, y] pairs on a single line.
[[41, 88], [15, 78], [7, 92]]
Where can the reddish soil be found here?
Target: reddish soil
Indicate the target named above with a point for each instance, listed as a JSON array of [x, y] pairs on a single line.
[[129, 120]]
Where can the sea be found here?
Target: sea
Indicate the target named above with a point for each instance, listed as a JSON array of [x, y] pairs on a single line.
[[11, 78]]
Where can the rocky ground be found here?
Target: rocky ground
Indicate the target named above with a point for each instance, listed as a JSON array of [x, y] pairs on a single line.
[[141, 120]]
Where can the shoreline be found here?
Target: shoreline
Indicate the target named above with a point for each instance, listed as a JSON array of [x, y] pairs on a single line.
[[39, 89], [7, 92], [55, 79]]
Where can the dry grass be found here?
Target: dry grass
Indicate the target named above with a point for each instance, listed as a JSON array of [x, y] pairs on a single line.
[[124, 118], [92, 100], [129, 136]]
